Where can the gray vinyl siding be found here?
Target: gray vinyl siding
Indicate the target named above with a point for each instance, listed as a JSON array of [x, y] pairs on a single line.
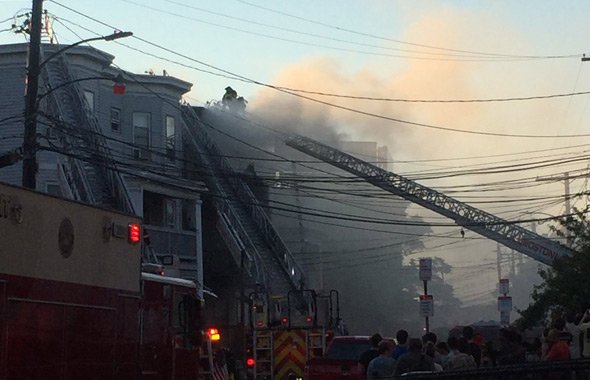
[[12, 101]]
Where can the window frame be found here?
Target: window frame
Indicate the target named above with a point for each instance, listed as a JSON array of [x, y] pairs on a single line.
[[142, 151], [118, 120], [170, 139], [90, 100]]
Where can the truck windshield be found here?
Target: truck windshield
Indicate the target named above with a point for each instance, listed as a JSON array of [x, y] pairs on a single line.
[[347, 349]]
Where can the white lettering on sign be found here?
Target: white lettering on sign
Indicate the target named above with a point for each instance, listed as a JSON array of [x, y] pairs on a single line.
[[538, 249]]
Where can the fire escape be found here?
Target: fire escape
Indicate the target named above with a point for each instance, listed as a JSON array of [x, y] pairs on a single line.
[[242, 222], [88, 171]]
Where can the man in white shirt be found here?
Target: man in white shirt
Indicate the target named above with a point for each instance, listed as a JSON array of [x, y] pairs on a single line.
[[572, 326]]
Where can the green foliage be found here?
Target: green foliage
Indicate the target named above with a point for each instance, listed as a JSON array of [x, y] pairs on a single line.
[[566, 286]]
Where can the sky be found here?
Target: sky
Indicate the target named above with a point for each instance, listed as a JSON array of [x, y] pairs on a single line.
[[379, 49]]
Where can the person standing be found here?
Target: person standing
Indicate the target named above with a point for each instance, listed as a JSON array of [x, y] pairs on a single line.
[[457, 360], [414, 360], [472, 348], [371, 353], [572, 326], [557, 349], [430, 350], [383, 366], [402, 344]]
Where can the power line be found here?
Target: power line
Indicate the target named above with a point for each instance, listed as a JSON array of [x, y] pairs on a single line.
[[267, 152], [460, 57], [341, 107], [331, 214], [406, 42]]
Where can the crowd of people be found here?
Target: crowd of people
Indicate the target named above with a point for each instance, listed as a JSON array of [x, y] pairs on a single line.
[[388, 358]]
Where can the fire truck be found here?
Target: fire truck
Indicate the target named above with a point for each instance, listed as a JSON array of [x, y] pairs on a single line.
[[286, 332], [75, 304]]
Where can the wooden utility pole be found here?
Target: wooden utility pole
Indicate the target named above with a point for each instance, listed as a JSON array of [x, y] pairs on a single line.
[[568, 208], [29, 179]]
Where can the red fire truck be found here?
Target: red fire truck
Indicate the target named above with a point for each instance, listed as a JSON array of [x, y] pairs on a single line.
[[74, 303]]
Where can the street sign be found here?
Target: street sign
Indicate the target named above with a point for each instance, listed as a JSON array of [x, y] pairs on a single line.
[[505, 303], [504, 286], [504, 318], [426, 305], [426, 269]]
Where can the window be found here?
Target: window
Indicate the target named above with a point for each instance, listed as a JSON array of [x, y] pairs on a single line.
[[170, 213], [115, 119], [141, 135], [53, 189], [159, 210], [89, 98], [170, 137], [188, 210]]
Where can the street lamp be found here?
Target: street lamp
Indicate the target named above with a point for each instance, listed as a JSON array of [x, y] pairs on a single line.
[[29, 173], [111, 37]]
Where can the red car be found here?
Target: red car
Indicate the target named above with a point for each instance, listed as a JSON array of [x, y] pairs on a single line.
[[341, 360]]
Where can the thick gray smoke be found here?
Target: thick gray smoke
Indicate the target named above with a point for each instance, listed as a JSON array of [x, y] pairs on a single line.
[[376, 284]]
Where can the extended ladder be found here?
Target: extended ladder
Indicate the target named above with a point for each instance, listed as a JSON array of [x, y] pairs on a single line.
[[508, 233]]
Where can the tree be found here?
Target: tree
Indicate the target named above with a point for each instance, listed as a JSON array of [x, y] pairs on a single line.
[[566, 286]]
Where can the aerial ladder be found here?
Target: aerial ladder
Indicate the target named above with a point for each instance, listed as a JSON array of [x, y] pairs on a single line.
[[505, 232]]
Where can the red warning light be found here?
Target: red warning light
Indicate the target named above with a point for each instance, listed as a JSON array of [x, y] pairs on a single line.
[[309, 319], [213, 334], [119, 89], [250, 362], [259, 323], [134, 233], [284, 320]]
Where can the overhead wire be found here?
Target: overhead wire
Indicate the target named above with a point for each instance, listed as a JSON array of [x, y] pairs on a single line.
[[429, 54], [345, 255], [6, 20], [286, 206], [371, 220], [333, 105], [401, 41]]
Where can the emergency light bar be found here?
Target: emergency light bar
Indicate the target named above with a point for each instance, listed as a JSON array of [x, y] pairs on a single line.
[[134, 233], [213, 334]]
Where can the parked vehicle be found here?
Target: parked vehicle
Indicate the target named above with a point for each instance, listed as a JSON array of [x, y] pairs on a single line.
[[340, 361], [74, 303]]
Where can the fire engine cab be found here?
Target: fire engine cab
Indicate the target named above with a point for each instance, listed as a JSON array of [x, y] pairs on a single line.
[[74, 303]]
